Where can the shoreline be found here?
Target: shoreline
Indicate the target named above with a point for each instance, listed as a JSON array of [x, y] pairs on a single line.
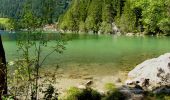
[[65, 80]]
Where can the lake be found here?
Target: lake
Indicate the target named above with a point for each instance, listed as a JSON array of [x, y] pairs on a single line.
[[99, 54]]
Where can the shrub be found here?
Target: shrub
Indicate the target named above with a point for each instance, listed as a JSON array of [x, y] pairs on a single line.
[[82, 94], [113, 93], [110, 87]]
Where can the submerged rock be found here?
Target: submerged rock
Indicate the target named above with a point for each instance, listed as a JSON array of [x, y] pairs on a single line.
[[118, 80], [82, 87], [152, 73], [89, 83]]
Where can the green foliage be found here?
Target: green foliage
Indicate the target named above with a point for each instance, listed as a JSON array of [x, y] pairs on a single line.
[[89, 94], [28, 19], [93, 20], [149, 16], [112, 93], [32, 41], [8, 98], [155, 15], [91, 15], [13, 8], [82, 94], [164, 25], [110, 87], [72, 93], [106, 27], [127, 20], [74, 16], [5, 24]]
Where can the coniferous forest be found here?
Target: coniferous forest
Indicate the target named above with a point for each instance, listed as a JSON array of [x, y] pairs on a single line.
[[14, 8], [146, 16], [149, 16]]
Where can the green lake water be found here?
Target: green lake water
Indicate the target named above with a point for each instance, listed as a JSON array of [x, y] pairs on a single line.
[[100, 53]]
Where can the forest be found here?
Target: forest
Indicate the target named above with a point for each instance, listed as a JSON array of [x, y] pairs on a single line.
[[144, 16], [13, 8], [130, 16]]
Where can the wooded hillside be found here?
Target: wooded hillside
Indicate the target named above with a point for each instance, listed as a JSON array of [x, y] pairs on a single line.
[[147, 16]]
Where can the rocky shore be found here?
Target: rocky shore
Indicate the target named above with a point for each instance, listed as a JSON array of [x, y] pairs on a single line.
[[151, 76]]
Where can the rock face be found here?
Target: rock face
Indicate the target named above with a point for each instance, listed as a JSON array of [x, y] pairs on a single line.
[[115, 29], [152, 73]]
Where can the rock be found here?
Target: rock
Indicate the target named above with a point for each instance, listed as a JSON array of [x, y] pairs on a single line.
[[132, 93], [162, 90], [128, 82], [11, 63], [82, 87], [89, 83], [118, 80], [137, 97], [102, 92], [115, 29], [130, 34], [138, 87], [87, 77], [131, 90], [153, 72]]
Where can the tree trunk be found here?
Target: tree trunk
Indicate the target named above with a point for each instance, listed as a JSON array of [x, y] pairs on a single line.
[[3, 71]]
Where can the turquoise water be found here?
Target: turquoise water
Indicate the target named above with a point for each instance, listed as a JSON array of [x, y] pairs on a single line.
[[103, 51]]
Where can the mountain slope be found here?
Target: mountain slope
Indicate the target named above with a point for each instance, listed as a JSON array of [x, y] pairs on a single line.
[[10, 8], [13, 8]]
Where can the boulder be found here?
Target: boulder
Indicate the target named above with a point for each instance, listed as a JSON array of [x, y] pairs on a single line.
[[131, 90], [132, 93], [152, 73], [115, 29], [130, 34]]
